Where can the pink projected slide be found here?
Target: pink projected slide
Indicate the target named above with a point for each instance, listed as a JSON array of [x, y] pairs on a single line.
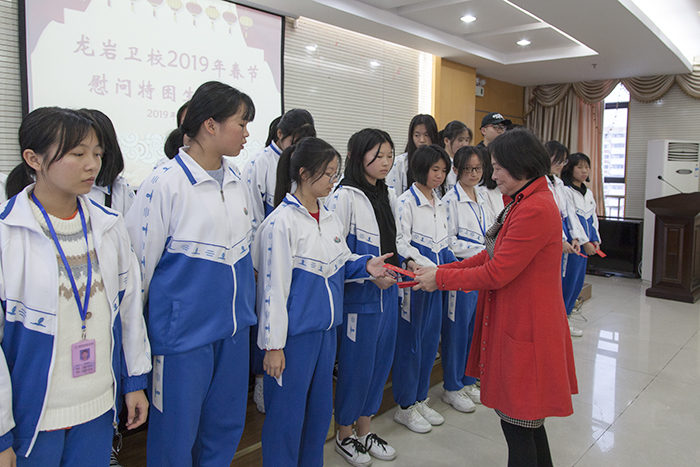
[[138, 61]]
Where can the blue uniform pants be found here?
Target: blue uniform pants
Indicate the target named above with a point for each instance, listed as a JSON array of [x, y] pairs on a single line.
[[204, 398], [457, 332], [572, 282], [298, 413], [417, 340], [366, 344], [85, 445]]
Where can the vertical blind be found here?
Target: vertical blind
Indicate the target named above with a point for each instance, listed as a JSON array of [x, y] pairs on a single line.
[[10, 88]]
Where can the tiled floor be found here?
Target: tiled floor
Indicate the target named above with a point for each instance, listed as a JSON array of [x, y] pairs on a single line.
[[638, 368]]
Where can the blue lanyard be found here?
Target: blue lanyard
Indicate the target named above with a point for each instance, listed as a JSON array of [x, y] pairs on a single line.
[[478, 221], [82, 307]]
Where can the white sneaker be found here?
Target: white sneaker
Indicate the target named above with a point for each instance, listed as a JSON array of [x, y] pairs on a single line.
[[430, 415], [353, 451], [258, 394], [377, 447], [473, 392], [412, 419], [575, 332], [459, 400]]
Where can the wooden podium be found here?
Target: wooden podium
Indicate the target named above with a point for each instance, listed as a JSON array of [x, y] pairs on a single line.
[[676, 271]]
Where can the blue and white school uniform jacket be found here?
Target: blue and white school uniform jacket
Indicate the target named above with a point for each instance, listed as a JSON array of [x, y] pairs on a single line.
[[361, 232], [261, 178], [584, 208], [29, 294], [192, 237], [397, 178], [494, 198], [302, 266], [421, 229], [122, 195], [571, 227], [467, 221]]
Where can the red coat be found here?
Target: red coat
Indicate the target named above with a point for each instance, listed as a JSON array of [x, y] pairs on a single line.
[[521, 348]]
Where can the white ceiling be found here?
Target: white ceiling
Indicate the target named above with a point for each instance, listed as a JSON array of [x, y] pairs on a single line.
[[571, 40]]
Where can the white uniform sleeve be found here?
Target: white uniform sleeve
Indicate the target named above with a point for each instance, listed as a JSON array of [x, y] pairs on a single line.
[[595, 222], [137, 350], [255, 180], [404, 228], [275, 251], [148, 223], [341, 203], [575, 226], [7, 422], [124, 193]]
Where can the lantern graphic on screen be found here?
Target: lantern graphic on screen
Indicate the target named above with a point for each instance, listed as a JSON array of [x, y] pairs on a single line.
[[230, 18], [213, 14], [154, 4], [132, 5], [247, 23], [195, 10], [175, 5]]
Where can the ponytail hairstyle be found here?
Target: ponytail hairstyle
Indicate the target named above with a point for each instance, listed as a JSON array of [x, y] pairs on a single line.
[[487, 177], [51, 132], [452, 130], [557, 151], [272, 131], [462, 157], [567, 173], [360, 144], [431, 128], [297, 123], [424, 158], [311, 154], [181, 112], [173, 143], [216, 100], [112, 158]]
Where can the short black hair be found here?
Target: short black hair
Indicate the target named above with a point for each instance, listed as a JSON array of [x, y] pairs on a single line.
[[173, 143], [181, 111], [557, 152], [567, 173], [521, 153], [463, 155], [112, 158], [424, 158]]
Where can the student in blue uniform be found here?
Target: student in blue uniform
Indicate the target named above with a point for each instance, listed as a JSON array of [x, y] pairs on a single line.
[[261, 177], [367, 338], [421, 132], [302, 262], [191, 226], [468, 219], [72, 329], [574, 175], [422, 241]]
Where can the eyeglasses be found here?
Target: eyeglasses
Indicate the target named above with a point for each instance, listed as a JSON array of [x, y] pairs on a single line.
[[499, 127], [475, 170], [562, 163], [332, 177]]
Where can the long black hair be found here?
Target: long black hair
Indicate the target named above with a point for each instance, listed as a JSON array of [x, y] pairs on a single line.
[[311, 154], [360, 144], [272, 131], [112, 158], [431, 128], [42, 129], [452, 130], [557, 152]]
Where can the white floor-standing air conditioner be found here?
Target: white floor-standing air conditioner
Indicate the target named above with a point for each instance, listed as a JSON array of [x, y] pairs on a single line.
[[678, 163]]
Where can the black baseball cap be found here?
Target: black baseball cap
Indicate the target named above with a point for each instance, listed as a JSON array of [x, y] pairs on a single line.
[[494, 118]]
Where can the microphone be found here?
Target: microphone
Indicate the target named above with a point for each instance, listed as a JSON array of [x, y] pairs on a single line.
[[669, 184]]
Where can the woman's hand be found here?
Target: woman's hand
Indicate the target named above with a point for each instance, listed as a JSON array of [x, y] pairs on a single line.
[[274, 363], [576, 245], [426, 279], [375, 266], [589, 248], [412, 266], [567, 247], [8, 458], [137, 409]]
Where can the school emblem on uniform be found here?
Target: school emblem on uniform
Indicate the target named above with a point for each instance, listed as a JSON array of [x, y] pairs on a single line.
[[245, 211], [336, 240]]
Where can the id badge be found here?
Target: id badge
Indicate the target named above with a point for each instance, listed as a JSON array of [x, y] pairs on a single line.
[[83, 358]]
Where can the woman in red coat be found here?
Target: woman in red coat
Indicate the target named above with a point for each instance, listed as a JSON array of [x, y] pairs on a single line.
[[521, 348]]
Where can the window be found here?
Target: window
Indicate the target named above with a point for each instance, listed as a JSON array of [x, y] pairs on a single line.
[[614, 150]]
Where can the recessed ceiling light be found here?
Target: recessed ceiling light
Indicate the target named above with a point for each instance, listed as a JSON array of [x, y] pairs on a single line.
[[374, 63], [523, 42], [311, 48], [468, 18]]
